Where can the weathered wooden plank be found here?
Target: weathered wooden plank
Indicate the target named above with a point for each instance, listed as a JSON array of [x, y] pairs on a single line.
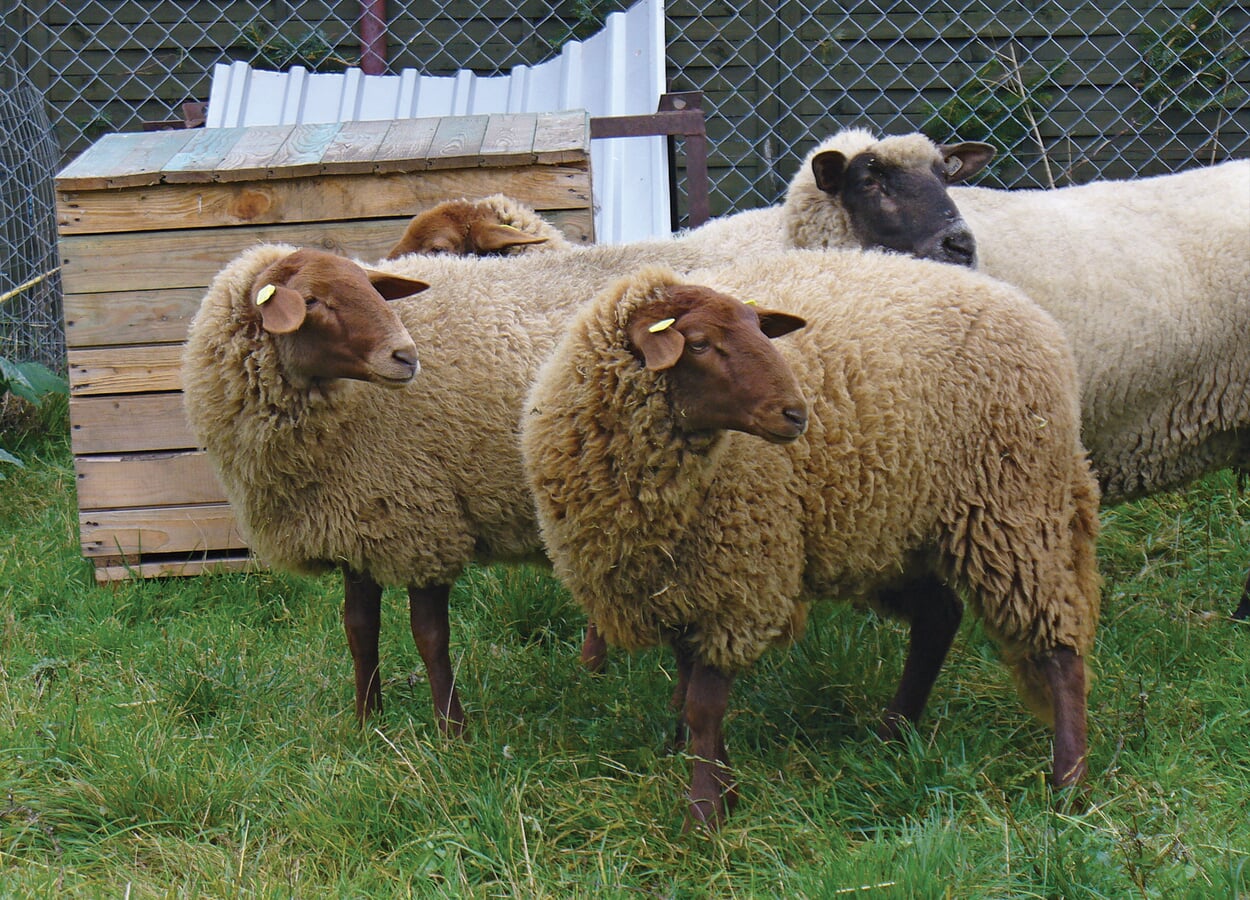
[[248, 158], [561, 137], [130, 316], [406, 146], [108, 572], [202, 155], [354, 147], [169, 529], [301, 153], [458, 142], [320, 198], [146, 479], [509, 140], [121, 160], [125, 370], [129, 423]]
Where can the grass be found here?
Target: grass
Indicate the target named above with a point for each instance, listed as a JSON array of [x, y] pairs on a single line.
[[194, 738]]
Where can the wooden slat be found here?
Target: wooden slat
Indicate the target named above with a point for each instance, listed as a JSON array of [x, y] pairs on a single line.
[[248, 159], [354, 147], [146, 479], [121, 160], [301, 153], [170, 529], [321, 198], [130, 317], [202, 155], [129, 423], [557, 136], [457, 142], [509, 140], [109, 573], [125, 370], [406, 146]]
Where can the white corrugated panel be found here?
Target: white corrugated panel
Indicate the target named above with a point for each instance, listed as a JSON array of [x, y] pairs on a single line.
[[617, 72]]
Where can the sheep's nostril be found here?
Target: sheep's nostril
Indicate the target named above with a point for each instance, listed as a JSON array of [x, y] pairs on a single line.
[[797, 417], [959, 247], [407, 356]]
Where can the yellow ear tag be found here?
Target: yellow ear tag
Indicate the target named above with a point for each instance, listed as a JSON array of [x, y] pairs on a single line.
[[661, 325], [749, 302], [264, 294]]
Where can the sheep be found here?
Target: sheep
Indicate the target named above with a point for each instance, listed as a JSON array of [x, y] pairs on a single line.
[[1150, 278], [400, 488], [490, 226], [941, 455]]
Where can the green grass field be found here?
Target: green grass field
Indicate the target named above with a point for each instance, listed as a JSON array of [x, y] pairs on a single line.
[[195, 738]]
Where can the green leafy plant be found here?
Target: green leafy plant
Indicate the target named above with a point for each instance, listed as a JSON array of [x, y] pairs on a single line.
[[1191, 65], [998, 104], [276, 50], [25, 383]]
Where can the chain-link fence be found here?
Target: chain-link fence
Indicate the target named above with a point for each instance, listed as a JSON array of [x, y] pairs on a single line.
[[1067, 92]]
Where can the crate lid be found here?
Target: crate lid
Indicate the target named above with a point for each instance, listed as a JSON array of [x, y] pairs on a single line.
[[258, 152]]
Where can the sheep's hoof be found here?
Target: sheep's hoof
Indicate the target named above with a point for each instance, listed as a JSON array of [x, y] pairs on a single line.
[[703, 815], [892, 727], [1243, 611]]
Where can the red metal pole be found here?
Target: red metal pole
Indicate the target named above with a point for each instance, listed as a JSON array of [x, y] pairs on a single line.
[[373, 36]]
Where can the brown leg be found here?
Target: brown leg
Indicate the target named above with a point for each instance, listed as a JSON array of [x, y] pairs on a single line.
[[685, 660], [934, 612], [362, 619], [711, 782], [594, 649], [427, 609], [1065, 673]]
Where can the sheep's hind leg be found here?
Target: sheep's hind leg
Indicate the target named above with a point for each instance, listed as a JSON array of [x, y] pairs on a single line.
[[934, 612], [685, 662], [1065, 674], [362, 619], [594, 649], [427, 610], [1243, 610], [712, 790]]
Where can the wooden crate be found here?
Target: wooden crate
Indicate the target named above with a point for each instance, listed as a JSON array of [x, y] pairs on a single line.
[[145, 222]]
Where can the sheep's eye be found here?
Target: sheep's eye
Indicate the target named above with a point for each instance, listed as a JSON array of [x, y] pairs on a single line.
[[698, 345], [310, 302]]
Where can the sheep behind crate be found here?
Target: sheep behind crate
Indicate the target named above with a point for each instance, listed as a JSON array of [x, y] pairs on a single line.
[[1150, 279], [489, 226], [942, 455], [401, 488]]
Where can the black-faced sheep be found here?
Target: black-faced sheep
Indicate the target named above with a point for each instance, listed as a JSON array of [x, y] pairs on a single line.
[[400, 488], [1150, 279], [941, 458]]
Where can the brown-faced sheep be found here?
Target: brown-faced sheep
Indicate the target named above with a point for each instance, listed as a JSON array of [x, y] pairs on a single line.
[[399, 488], [491, 226], [1150, 279], [941, 458]]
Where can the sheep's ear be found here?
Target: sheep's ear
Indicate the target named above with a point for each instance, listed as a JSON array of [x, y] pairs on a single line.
[[492, 237], [774, 324], [657, 340], [962, 161], [281, 308], [392, 287], [829, 168]]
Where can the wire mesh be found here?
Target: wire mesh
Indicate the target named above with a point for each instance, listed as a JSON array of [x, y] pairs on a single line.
[[1067, 92]]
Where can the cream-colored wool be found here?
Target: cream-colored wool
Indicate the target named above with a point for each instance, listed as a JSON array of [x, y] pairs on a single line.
[[405, 485], [1150, 279], [943, 438]]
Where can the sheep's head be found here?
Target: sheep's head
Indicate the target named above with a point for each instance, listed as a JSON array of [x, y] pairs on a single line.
[[460, 228], [894, 193], [330, 319], [723, 371]]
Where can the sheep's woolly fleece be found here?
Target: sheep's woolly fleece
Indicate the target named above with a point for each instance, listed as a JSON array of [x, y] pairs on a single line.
[[943, 438], [1150, 278], [405, 485], [809, 220]]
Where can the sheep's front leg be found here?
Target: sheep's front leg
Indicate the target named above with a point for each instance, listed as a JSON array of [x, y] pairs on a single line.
[[1243, 609], [712, 790], [427, 610], [1065, 673], [934, 612], [362, 619], [685, 661]]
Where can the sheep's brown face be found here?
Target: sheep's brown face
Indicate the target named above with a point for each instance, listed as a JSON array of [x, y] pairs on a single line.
[[460, 228], [723, 371], [906, 209], [330, 320]]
